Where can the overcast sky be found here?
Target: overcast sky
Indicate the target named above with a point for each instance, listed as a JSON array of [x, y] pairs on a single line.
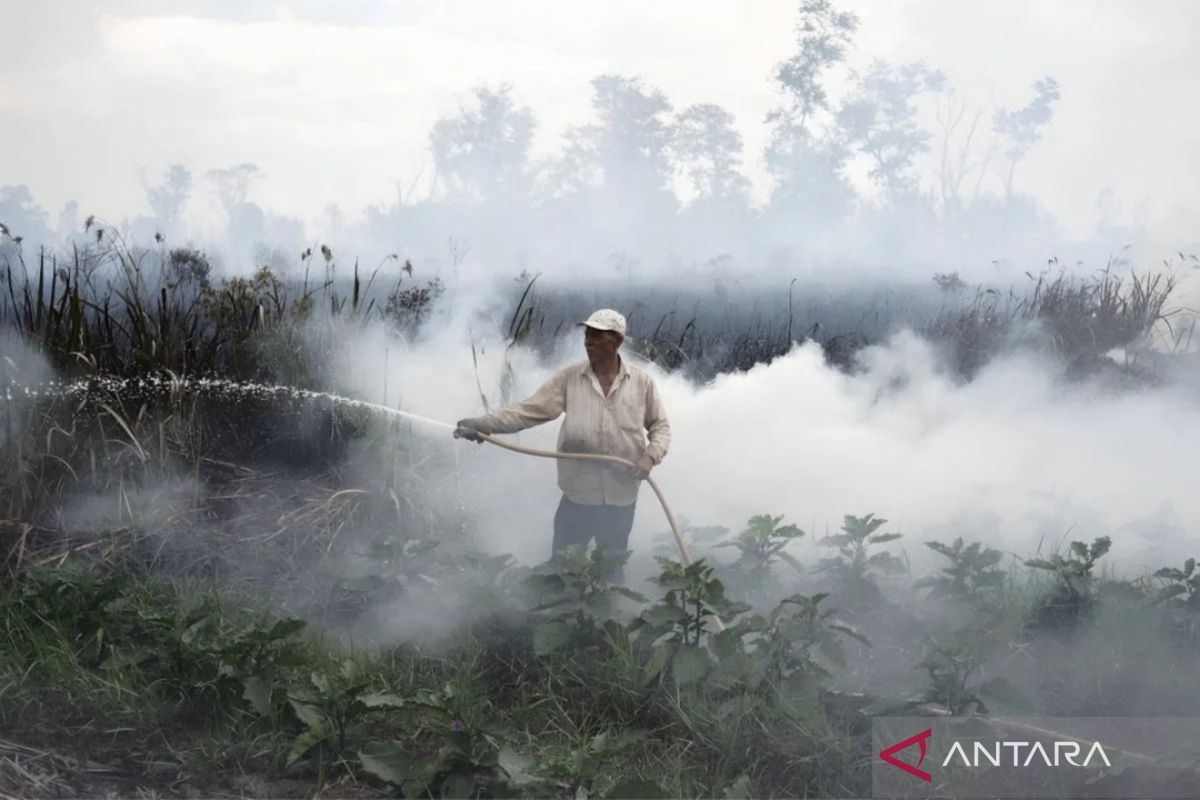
[[334, 100]]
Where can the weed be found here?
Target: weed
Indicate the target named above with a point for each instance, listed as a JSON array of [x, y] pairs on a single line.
[[857, 567], [760, 546], [678, 626], [1074, 592], [575, 589], [972, 576]]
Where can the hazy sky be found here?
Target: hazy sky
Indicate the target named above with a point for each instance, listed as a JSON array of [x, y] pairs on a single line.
[[334, 100]]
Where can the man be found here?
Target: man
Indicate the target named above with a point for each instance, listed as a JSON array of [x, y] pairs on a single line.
[[610, 408]]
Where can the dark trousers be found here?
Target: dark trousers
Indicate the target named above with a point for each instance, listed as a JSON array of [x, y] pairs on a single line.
[[576, 524]]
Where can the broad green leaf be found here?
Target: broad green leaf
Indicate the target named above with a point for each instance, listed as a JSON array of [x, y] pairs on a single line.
[[791, 561], [658, 661], [514, 764], [800, 700], [1170, 573], [286, 627], [550, 637], [258, 692], [689, 665], [458, 786], [545, 583], [602, 606], [831, 648], [852, 632], [727, 643], [309, 738], [739, 789], [382, 700], [1168, 592], [734, 669], [387, 760], [127, 658], [661, 614], [637, 597], [308, 714]]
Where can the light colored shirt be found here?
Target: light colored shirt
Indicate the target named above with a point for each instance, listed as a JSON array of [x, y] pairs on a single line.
[[630, 422]]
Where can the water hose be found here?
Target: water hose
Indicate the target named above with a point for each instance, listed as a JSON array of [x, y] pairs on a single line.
[[662, 500]]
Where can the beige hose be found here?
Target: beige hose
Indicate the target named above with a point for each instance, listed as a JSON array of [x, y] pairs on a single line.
[[533, 451]]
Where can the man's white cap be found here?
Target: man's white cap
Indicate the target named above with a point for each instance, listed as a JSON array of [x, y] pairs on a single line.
[[606, 320]]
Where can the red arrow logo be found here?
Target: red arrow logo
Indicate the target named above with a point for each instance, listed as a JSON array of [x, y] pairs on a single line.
[[889, 756]]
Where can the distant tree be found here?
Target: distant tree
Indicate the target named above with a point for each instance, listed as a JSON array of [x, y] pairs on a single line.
[[707, 149], [232, 186], [168, 199], [804, 154], [23, 219], [879, 119], [334, 221], [626, 150], [68, 220], [482, 151], [1022, 128]]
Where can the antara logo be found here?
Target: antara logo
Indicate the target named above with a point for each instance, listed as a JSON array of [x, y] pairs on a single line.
[[1008, 753], [889, 755]]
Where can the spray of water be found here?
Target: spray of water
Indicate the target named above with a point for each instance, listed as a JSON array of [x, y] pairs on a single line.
[[217, 386]]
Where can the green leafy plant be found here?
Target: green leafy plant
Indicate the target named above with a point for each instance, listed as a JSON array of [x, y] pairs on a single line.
[[197, 651], [677, 627], [972, 576], [760, 545], [858, 565], [391, 565], [786, 646], [205, 656], [951, 662], [575, 774], [575, 589], [1181, 587], [470, 760], [1074, 593], [329, 703], [1180, 598], [950, 668]]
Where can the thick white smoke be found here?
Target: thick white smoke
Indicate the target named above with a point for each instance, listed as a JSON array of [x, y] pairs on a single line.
[[1019, 456]]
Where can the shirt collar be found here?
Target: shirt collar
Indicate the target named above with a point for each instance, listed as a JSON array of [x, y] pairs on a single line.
[[622, 371]]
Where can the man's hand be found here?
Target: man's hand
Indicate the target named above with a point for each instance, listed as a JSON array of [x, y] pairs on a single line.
[[466, 430], [642, 468]]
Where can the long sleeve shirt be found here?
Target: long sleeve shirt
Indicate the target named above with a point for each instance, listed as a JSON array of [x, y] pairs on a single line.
[[630, 422]]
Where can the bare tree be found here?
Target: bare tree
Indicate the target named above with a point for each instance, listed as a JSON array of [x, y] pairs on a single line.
[[958, 132]]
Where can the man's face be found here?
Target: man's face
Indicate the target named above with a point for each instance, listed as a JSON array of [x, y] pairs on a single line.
[[600, 345]]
